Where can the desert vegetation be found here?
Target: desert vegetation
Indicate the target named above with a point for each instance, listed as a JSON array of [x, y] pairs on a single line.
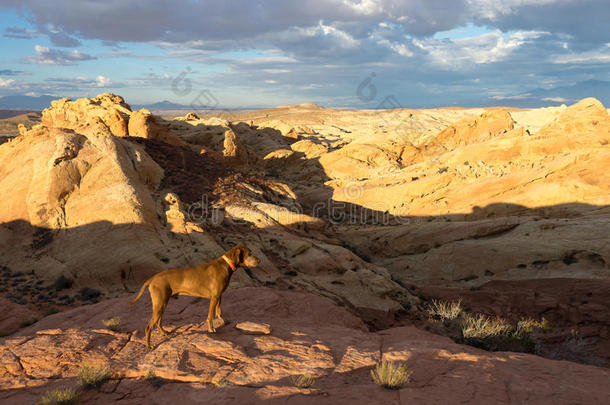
[[444, 310], [94, 375], [64, 396], [302, 381], [486, 332], [113, 323], [391, 375]]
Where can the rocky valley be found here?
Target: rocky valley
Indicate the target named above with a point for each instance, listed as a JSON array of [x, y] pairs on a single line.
[[364, 221]]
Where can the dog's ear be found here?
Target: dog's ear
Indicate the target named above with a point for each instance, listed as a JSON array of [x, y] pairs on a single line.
[[241, 255], [237, 254]]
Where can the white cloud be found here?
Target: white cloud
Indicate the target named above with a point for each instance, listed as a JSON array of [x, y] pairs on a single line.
[[276, 71], [483, 49], [600, 55], [517, 97], [555, 99], [50, 56], [102, 81], [6, 82]]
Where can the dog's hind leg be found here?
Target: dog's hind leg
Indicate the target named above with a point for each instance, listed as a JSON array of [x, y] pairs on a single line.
[[163, 331], [159, 301], [211, 313], [219, 311]]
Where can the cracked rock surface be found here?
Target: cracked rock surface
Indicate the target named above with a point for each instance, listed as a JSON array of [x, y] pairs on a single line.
[[311, 336]]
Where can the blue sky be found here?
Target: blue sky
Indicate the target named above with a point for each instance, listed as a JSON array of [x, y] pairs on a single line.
[[271, 52]]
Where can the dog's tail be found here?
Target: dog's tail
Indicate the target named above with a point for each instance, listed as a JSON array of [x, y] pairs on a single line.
[[146, 283]]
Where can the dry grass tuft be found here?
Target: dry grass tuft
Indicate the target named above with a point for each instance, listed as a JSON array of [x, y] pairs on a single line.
[[482, 327], [66, 396], [391, 375], [92, 376], [530, 325], [112, 323], [222, 384], [445, 310], [302, 381]]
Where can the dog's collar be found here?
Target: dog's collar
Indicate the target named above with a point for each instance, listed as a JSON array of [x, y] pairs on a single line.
[[229, 262]]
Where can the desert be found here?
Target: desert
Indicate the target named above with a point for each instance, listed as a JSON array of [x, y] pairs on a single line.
[[359, 233], [305, 202]]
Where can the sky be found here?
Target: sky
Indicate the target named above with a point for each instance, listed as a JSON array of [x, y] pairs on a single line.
[[338, 53]]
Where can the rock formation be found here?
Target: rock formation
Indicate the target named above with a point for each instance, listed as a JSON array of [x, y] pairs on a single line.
[[308, 335], [378, 212]]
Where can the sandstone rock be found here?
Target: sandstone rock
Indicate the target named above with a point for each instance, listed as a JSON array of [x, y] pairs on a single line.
[[312, 336], [111, 109], [233, 150], [253, 328], [143, 124], [483, 128]]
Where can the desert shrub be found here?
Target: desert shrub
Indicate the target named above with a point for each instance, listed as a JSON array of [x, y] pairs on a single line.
[[88, 294], [445, 310], [391, 375], [221, 384], [481, 327], [302, 381], [28, 322], [4, 333], [152, 378], [66, 396], [496, 334], [92, 375], [62, 283], [112, 323], [51, 311], [530, 325]]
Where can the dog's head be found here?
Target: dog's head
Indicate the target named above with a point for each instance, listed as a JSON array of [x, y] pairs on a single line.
[[242, 256]]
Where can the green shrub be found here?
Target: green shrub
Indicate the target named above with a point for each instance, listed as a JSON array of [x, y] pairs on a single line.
[[390, 375], [66, 396], [92, 376]]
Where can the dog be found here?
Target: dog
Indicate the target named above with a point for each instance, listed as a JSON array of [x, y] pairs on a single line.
[[208, 280]]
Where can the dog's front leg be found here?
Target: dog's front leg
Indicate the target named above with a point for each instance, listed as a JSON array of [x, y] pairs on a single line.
[[211, 313]]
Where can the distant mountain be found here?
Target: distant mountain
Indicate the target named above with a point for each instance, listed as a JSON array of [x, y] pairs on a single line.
[[548, 97], [21, 102], [163, 105]]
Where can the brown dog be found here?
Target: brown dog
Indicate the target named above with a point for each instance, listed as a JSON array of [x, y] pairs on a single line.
[[208, 280]]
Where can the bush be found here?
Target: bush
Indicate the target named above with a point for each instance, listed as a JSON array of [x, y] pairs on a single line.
[[62, 283], [302, 381], [530, 325], [93, 375], [152, 378], [112, 323], [28, 322], [390, 375], [51, 311], [482, 327], [66, 396], [445, 310], [495, 334], [222, 384]]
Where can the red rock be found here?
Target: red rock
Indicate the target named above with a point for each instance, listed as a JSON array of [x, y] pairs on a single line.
[[312, 336]]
